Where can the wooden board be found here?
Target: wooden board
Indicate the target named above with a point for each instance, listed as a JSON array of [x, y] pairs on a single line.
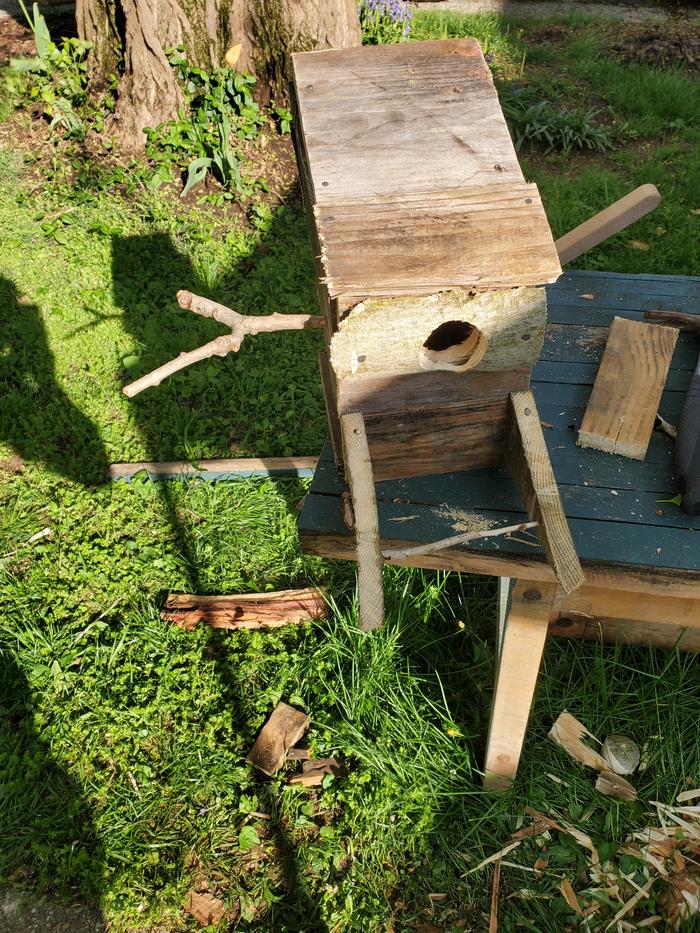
[[620, 415], [237, 468], [613, 615], [528, 459], [378, 120], [623, 530], [494, 236], [409, 175]]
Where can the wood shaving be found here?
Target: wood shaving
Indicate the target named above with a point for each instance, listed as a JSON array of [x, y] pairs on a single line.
[[464, 521]]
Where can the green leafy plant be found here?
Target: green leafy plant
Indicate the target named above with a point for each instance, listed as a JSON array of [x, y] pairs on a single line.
[[218, 109], [538, 121], [56, 78]]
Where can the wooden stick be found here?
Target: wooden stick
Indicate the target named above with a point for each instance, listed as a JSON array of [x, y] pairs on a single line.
[[240, 324], [358, 466], [210, 469], [607, 222], [528, 459], [222, 346], [495, 886], [464, 538]]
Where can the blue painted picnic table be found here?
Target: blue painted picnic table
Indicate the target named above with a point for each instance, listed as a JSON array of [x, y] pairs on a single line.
[[617, 508]]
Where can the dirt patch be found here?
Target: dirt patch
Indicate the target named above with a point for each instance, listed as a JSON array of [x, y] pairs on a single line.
[[671, 45], [16, 41], [12, 466], [31, 914]]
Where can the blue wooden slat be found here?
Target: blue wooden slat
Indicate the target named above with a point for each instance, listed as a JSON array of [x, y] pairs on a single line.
[[585, 344], [572, 373], [596, 541]]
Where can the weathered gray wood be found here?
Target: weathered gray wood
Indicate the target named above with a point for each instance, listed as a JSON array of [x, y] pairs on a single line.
[[487, 237], [383, 119]]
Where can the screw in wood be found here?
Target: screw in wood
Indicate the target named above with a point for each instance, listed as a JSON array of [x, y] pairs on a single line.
[[532, 595]]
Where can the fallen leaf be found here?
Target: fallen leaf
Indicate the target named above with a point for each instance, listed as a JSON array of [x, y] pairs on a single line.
[[639, 244], [233, 54], [567, 890]]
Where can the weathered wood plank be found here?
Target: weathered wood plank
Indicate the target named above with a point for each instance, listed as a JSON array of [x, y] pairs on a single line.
[[528, 460], [582, 343], [383, 119], [625, 398], [571, 373], [236, 468], [405, 444], [488, 237], [407, 392]]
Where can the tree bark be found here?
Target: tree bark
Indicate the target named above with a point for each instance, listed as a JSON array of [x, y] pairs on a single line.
[[130, 39]]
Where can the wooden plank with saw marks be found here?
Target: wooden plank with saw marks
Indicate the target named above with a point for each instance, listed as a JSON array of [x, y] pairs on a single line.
[[620, 415]]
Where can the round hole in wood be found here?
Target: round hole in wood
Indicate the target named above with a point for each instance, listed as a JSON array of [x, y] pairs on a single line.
[[453, 345]]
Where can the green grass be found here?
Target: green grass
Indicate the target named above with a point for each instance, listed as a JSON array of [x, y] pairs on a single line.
[[123, 739]]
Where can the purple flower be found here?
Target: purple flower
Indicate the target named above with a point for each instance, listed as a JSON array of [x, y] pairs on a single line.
[[384, 20]]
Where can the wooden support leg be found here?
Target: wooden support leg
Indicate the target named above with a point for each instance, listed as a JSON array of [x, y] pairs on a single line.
[[529, 463], [358, 469], [516, 675]]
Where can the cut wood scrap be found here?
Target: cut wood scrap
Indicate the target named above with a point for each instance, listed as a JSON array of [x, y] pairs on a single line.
[[495, 886], [567, 732], [314, 771], [614, 785], [298, 754], [216, 469], [688, 795], [206, 909], [281, 732], [528, 460], [621, 411], [249, 611]]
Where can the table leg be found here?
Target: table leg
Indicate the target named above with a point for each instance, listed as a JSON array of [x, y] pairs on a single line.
[[519, 656]]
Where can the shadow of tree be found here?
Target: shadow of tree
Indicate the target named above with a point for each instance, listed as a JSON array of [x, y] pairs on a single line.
[[48, 838], [37, 419]]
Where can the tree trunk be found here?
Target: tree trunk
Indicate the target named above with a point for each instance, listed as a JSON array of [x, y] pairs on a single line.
[[130, 39]]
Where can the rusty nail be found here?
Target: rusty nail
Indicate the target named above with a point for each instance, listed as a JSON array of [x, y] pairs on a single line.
[[527, 411]]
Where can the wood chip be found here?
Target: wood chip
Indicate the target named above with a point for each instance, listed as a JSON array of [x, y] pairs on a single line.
[[206, 909], [249, 611], [567, 732], [614, 785], [298, 754], [314, 771], [688, 795], [281, 732]]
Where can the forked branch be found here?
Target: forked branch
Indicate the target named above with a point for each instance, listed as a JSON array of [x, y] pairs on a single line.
[[240, 325]]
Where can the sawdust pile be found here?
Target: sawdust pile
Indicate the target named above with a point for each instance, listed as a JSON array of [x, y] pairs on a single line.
[[462, 521]]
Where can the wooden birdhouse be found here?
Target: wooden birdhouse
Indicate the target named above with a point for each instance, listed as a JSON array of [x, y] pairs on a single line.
[[429, 247], [431, 250]]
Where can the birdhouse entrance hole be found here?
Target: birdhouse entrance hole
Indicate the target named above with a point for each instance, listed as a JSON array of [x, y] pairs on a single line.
[[453, 345]]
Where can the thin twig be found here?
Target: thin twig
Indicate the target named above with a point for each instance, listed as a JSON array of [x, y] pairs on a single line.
[[662, 425], [493, 920], [240, 325], [432, 546]]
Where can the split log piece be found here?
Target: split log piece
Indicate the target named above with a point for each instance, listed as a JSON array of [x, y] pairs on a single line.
[[240, 324], [463, 538], [528, 459], [313, 772], [281, 732], [358, 466], [298, 754], [621, 411], [249, 611]]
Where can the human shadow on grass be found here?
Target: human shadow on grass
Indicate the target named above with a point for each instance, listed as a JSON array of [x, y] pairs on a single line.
[[212, 405], [37, 419], [48, 840]]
